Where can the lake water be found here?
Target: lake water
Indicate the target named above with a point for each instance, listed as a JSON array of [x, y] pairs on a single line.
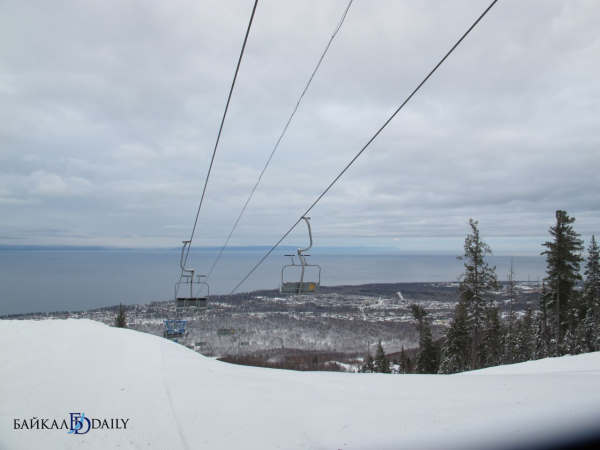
[[58, 280]]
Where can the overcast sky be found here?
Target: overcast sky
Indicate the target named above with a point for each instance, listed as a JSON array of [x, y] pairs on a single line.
[[109, 111]]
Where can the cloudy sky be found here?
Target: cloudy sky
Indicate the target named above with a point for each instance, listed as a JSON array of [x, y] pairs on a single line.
[[109, 110]]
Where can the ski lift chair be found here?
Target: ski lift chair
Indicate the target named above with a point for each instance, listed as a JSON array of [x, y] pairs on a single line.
[[174, 328], [191, 290], [300, 285]]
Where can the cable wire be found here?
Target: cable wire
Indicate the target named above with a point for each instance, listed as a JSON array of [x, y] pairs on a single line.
[[385, 124], [212, 159], [283, 132]]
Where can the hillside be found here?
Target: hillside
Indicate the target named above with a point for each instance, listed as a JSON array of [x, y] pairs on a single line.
[[175, 398], [344, 319]]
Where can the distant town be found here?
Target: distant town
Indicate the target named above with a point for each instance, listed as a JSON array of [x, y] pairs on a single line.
[[346, 320]]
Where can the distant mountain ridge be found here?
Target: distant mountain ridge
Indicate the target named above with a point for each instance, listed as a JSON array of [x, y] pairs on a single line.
[[247, 248]]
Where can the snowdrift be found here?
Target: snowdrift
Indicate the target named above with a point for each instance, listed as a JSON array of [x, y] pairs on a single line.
[[175, 398]]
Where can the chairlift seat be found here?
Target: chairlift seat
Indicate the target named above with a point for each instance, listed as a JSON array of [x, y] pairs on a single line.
[[294, 287], [174, 328], [173, 333], [301, 286], [190, 302], [190, 291]]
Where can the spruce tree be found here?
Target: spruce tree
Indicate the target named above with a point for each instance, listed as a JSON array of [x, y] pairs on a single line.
[[511, 291], [591, 331], [457, 343], [591, 290], [404, 361], [427, 358], [526, 337], [591, 296], [368, 366], [574, 341], [406, 364], [510, 344], [562, 268], [477, 281], [381, 363], [543, 333], [493, 339], [544, 329], [581, 341], [541, 339], [121, 319], [510, 341]]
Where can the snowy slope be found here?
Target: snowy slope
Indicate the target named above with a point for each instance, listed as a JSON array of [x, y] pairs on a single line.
[[177, 399]]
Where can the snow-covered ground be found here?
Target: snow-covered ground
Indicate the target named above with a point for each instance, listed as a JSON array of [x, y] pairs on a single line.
[[175, 398]]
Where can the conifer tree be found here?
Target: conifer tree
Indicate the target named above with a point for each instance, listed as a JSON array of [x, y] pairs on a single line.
[[493, 339], [369, 365], [510, 290], [403, 363], [574, 341], [510, 341], [562, 268], [541, 339], [121, 319], [568, 344], [581, 341], [427, 358], [526, 337], [591, 331], [478, 280], [591, 296], [457, 343], [381, 363], [510, 345], [591, 290], [544, 329]]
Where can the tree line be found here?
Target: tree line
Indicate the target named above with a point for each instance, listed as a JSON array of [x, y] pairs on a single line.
[[566, 320]]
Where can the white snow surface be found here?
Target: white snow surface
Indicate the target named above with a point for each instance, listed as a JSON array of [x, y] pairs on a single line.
[[178, 399]]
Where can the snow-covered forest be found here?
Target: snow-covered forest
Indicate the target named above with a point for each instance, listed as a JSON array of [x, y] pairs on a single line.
[[566, 319]]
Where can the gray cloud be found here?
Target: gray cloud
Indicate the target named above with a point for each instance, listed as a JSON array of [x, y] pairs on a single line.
[[108, 114]]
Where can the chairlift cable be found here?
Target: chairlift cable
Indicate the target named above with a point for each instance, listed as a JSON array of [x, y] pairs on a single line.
[[212, 159], [282, 134], [375, 135]]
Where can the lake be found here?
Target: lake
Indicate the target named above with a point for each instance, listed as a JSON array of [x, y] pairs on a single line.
[[58, 280]]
